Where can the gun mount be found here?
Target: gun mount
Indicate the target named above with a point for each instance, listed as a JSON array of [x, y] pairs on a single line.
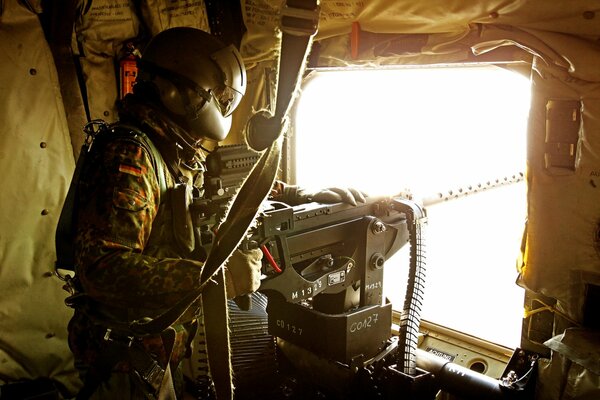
[[326, 273]]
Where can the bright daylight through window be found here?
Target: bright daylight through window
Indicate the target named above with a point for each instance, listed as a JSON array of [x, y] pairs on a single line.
[[430, 131]]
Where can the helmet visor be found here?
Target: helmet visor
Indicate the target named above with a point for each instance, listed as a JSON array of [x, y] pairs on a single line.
[[227, 99], [229, 61]]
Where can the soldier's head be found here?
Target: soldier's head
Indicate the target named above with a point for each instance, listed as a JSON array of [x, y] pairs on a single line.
[[196, 79]]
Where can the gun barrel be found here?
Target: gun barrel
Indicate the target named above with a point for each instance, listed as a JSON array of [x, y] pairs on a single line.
[[458, 380], [467, 189]]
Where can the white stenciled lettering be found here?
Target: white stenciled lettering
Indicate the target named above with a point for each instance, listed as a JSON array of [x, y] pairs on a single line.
[[366, 323], [374, 285], [296, 330], [308, 291], [455, 370]]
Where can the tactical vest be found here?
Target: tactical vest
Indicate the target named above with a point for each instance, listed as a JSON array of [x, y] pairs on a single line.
[[110, 324], [172, 233]]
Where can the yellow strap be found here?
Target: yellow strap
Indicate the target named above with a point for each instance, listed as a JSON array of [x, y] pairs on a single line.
[[529, 312]]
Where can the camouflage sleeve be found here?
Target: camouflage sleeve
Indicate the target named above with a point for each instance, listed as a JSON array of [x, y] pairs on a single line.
[[118, 201]]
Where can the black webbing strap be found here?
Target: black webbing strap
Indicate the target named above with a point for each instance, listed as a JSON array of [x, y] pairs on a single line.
[[299, 25], [216, 318], [151, 378], [58, 20]]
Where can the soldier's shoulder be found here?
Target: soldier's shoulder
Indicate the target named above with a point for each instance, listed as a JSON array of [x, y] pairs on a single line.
[[121, 142]]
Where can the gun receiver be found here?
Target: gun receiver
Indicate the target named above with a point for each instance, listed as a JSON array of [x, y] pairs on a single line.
[[323, 263], [226, 168]]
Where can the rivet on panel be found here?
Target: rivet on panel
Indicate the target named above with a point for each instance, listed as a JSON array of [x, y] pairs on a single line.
[[45, 211], [32, 71], [50, 335], [494, 14], [43, 145], [47, 274], [106, 113]]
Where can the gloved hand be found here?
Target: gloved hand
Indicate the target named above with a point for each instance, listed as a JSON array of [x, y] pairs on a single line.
[[334, 195], [242, 272], [294, 195]]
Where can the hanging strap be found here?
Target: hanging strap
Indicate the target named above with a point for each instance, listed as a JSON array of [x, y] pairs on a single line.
[[64, 231], [59, 34], [299, 25]]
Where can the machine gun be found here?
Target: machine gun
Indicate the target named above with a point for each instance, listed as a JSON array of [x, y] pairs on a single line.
[[325, 261], [323, 277]]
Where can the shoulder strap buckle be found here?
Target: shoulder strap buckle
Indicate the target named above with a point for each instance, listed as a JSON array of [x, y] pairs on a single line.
[[92, 129], [122, 339]]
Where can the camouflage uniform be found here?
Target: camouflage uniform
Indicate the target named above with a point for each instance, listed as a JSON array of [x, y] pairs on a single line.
[[129, 260]]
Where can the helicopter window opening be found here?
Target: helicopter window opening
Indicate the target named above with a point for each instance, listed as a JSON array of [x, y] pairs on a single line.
[[455, 134]]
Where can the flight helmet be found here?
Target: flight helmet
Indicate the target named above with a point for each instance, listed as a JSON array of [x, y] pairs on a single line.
[[197, 79]]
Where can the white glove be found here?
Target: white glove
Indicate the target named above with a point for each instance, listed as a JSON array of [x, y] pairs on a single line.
[[242, 272]]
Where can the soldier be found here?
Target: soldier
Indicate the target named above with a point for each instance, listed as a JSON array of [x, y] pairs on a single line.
[[134, 251], [132, 259]]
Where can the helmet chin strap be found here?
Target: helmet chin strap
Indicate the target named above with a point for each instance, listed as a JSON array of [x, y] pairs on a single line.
[[170, 126]]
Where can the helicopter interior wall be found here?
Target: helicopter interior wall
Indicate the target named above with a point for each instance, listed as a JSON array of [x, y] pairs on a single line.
[[37, 163], [556, 41]]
